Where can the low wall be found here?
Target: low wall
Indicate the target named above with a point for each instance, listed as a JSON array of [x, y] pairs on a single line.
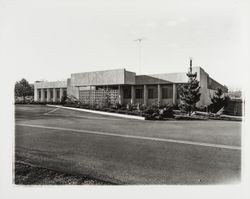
[[234, 107]]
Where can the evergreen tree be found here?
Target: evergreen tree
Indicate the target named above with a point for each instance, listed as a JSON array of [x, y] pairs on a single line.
[[189, 92], [218, 101]]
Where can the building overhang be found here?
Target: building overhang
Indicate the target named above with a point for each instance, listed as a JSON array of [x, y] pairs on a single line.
[[107, 77], [55, 84]]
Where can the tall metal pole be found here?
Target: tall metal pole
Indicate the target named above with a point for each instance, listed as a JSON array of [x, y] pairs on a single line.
[[139, 40]]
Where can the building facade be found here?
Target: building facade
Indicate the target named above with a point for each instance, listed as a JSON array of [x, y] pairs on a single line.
[[126, 87]]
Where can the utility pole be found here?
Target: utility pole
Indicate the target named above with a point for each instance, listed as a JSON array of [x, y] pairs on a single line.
[[139, 40]]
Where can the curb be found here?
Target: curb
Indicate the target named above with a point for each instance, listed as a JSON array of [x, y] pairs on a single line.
[[100, 112]]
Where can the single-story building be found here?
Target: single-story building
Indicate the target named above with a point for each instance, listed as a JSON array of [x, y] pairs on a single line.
[[125, 87]]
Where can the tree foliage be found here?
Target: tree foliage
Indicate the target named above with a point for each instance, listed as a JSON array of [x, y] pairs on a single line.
[[218, 101], [23, 89], [64, 98], [189, 93]]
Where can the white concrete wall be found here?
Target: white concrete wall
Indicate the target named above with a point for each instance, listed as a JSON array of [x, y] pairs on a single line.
[[45, 84], [172, 77], [72, 90], [126, 101], [140, 101], [152, 102], [108, 77], [129, 77], [202, 78], [206, 93]]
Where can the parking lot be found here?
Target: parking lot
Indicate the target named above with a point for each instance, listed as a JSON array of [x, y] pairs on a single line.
[[126, 151]]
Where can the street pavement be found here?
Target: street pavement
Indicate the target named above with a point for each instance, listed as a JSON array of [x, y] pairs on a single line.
[[126, 151]]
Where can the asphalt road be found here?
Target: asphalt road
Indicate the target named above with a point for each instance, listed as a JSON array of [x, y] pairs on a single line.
[[125, 151]]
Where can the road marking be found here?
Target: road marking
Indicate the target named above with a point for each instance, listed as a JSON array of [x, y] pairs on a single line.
[[52, 111], [222, 146]]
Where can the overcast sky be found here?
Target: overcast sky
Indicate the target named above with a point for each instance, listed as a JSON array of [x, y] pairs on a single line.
[[51, 39]]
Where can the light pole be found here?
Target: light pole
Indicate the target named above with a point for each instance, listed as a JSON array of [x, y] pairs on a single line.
[[139, 40]]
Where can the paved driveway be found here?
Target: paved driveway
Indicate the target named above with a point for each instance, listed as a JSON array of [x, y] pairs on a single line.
[[128, 151]]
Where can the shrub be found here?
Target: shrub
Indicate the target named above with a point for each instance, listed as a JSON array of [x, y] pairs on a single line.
[[155, 113], [202, 108], [121, 111], [149, 111], [167, 112], [219, 100], [129, 107], [30, 102], [141, 107], [63, 99], [116, 106]]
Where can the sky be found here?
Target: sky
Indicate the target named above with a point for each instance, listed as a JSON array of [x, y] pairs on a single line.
[[50, 39]]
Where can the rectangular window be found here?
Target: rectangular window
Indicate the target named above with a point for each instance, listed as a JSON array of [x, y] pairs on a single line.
[[45, 94], [39, 94], [167, 92], [57, 93], [152, 92], [138, 93], [127, 92], [51, 94]]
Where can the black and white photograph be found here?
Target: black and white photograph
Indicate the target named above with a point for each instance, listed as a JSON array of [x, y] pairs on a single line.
[[135, 96]]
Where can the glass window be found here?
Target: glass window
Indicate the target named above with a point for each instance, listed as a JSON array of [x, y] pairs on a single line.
[[57, 93], [45, 94], [127, 92], [152, 92], [51, 93], [39, 93], [167, 92], [138, 93]]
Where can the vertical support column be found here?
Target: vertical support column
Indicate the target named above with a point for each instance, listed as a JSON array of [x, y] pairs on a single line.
[[35, 94], [42, 94], [159, 93], [54, 94], [120, 94], [145, 95], [132, 94], [48, 95], [61, 94], [174, 94]]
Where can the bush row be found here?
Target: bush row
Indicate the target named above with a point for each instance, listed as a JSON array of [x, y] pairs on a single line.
[[38, 103], [150, 113]]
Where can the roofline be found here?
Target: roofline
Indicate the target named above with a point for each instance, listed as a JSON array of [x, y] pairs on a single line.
[[102, 71]]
